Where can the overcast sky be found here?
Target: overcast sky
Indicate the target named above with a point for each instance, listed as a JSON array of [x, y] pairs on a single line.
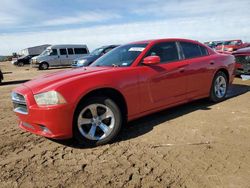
[[25, 23]]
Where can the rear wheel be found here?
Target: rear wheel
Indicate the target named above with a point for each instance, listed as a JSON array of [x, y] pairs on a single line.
[[219, 87], [97, 121], [43, 66]]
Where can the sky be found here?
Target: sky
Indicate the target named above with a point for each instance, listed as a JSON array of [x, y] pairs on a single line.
[[26, 23]]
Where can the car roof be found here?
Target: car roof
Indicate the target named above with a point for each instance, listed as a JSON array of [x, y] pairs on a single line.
[[108, 46], [68, 46], [165, 40]]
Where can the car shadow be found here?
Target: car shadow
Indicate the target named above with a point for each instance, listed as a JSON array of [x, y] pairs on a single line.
[[146, 124], [56, 68], [13, 82]]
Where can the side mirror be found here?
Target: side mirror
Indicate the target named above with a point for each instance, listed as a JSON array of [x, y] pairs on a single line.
[[151, 60]]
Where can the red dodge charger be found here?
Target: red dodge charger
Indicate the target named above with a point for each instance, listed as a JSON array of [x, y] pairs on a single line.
[[91, 104]]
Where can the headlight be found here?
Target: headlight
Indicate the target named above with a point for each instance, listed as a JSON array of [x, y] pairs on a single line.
[[81, 62], [49, 98], [230, 49]]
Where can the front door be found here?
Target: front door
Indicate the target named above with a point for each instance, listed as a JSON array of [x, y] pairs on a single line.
[[165, 83]]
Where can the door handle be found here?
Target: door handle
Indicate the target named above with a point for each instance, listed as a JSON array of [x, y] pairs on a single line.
[[211, 62], [182, 68]]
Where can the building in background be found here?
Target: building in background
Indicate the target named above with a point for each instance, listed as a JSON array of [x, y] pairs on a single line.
[[36, 50]]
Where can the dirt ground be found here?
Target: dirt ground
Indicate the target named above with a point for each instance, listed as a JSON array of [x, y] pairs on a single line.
[[199, 144]]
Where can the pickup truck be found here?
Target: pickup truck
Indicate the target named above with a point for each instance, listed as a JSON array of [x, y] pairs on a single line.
[[232, 45]]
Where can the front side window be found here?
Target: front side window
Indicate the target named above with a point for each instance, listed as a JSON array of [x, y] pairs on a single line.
[[81, 51], [190, 50], [122, 56], [63, 51], [107, 50], [53, 52], [167, 51]]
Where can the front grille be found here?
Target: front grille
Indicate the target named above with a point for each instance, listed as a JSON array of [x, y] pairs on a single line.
[[19, 103], [242, 59]]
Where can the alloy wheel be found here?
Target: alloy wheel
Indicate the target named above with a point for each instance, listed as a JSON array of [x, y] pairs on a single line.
[[96, 122], [220, 86]]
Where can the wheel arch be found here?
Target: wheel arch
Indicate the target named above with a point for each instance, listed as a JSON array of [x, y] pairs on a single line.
[[225, 71], [112, 93]]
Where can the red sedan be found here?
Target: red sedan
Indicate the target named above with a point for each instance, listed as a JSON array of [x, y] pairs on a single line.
[[91, 104]]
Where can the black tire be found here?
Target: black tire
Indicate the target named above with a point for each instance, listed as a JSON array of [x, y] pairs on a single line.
[[43, 66], [214, 97], [118, 121], [20, 64]]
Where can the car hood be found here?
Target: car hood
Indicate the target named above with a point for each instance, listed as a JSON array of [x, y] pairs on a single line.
[[87, 57], [243, 50], [50, 81]]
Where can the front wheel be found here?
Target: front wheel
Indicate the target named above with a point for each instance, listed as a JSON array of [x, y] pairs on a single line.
[[43, 66], [20, 64], [219, 87], [97, 121]]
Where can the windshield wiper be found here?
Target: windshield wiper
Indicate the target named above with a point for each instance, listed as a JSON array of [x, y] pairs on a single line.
[[114, 65]]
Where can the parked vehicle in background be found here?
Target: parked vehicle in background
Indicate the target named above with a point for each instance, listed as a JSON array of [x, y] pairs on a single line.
[[94, 55], [232, 45], [35, 50], [242, 58], [213, 44], [23, 60], [1, 77], [129, 82], [59, 55]]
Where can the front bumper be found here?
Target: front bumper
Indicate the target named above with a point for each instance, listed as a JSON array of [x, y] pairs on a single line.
[[242, 69], [52, 122]]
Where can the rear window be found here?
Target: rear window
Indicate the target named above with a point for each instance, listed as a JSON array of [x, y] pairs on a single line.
[[63, 51], [81, 51], [191, 50], [70, 51]]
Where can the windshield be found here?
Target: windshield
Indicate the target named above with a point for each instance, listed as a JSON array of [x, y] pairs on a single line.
[[231, 42], [97, 51], [45, 52], [122, 56]]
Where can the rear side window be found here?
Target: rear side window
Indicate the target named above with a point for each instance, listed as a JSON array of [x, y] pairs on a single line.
[[167, 51], [203, 50], [191, 50], [81, 51], [63, 51], [70, 51]]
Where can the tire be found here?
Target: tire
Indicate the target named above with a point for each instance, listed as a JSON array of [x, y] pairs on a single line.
[[219, 87], [91, 128], [20, 64], [43, 66]]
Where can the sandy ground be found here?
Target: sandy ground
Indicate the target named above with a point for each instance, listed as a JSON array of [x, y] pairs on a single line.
[[199, 144]]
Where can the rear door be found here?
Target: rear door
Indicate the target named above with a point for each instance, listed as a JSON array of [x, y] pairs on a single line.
[[64, 60], [200, 69]]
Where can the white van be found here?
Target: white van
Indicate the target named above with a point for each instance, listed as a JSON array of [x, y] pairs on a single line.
[[59, 55]]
